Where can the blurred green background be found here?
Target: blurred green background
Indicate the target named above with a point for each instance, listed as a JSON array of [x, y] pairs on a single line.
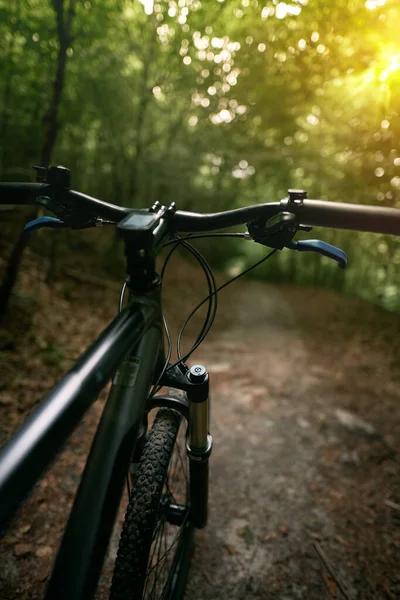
[[214, 105]]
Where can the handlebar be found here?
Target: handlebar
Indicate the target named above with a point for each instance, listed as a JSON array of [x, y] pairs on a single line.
[[339, 215], [27, 194], [322, 213]]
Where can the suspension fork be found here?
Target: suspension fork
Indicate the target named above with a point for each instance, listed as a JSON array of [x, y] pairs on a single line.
[[195, 382], [199, 443]]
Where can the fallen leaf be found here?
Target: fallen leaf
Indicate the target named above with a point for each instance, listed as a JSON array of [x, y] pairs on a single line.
[[353, 422], [336, 494], [24, 529], [11, 539], [230, 548], [6, 399], [393, 505], [330, 583], [43, 551], [22, 549], [284, 529], [341, 540], [270, 536]]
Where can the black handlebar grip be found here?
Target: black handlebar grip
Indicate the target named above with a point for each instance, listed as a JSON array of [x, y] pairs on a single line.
[[358, 217], [21, 193]]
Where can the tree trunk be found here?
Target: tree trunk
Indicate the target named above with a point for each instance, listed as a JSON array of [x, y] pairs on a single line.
[[51, 128], [8, 88], [50, 119], [145, 97]]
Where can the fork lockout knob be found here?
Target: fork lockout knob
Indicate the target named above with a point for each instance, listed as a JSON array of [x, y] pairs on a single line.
[[197, 374]]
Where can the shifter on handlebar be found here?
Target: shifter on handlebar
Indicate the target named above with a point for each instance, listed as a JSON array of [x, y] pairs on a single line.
[[59, 178], [278, 232]]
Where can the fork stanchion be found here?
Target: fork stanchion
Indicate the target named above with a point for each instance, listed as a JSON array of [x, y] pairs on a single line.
[[199, 444]]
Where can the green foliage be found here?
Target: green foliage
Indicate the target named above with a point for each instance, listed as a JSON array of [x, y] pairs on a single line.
[[215, 104]]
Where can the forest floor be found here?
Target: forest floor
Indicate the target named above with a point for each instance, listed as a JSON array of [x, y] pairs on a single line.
[[306, 427]]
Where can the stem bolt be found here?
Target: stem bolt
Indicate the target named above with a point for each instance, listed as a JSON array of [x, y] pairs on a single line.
[[297, 196]]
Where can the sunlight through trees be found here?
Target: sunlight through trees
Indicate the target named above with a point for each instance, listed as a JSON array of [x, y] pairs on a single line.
[[214, 104]]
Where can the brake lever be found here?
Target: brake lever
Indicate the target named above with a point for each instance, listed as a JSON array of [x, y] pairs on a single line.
[[59, 224], [321, 247], [44, 222]]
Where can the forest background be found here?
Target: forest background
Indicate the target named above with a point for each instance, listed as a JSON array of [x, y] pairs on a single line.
[[214, 105]]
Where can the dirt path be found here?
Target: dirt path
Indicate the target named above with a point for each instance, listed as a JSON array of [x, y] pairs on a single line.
[[306, 428], [297, 420]]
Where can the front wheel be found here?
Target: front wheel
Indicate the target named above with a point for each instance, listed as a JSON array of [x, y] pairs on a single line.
[[156, 540]]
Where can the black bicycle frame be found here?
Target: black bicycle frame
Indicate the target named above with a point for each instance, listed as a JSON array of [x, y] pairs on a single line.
[[136, 336], [81, 554]]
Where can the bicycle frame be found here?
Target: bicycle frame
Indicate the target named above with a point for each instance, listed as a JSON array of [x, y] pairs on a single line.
[[129, 350], [136, 336], [81, 554]]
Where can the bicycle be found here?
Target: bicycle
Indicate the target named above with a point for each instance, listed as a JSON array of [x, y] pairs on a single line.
[[168, 462]]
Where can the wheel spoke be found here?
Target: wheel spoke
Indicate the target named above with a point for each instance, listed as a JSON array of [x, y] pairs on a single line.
[[177, 537], [156, 550], [154, 588], [176, 471], [183, 469], [170, 494]]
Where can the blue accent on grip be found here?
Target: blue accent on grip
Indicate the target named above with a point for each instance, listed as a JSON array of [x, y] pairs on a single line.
[[43, 222], [322, 248]]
